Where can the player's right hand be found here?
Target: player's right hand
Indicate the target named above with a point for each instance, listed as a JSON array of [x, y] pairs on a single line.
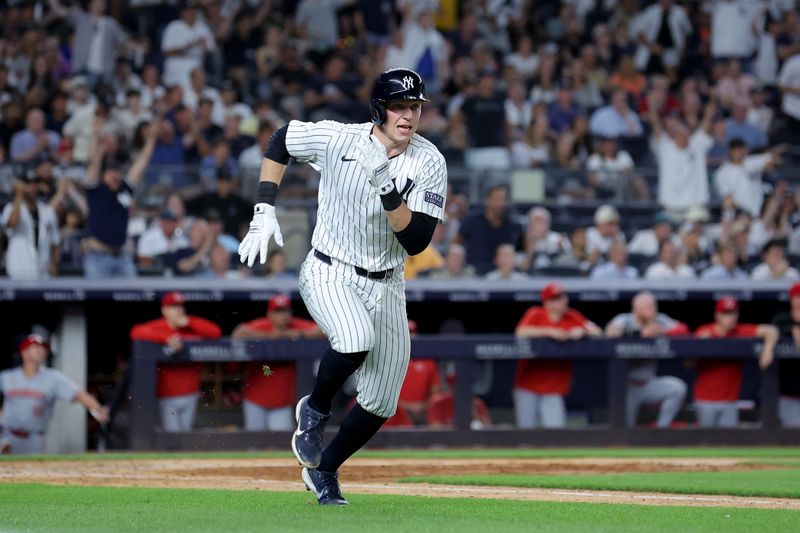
[[263, 227]]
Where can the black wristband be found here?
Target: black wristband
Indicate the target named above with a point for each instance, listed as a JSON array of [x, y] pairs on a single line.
[[391, 200], [267, 190]]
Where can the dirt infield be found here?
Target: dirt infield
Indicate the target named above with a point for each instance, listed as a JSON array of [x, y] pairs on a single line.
[[380, 476]]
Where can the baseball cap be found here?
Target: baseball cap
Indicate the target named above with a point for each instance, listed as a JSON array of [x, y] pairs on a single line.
[[606, 213], [727, 305], [661, 218], [167, 214], [30, 340], [279, 302], [697, 214], [172, 298], [794, 290], [551, 291]]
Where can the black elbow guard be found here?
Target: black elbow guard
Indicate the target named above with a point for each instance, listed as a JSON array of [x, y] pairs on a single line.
[[418, 234], [276, 151]]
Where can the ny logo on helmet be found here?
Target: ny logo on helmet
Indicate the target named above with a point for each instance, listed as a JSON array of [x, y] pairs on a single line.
[[408, 83]]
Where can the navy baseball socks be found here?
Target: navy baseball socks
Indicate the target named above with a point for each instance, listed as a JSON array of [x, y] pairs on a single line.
[[313, 412], [357, 428]]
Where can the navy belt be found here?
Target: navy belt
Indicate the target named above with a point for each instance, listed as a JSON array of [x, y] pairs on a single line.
[[380, 274]]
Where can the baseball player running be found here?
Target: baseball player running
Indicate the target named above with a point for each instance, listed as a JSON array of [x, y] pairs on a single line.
[[382, 191], [29, 392]]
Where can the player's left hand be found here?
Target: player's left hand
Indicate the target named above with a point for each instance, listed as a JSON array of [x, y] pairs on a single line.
[[371, 155], [263, 227]]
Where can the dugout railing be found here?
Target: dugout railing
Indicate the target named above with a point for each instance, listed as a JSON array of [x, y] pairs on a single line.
[[466, 351]]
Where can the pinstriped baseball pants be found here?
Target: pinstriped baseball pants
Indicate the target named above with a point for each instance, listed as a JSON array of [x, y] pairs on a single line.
[[359, 314]]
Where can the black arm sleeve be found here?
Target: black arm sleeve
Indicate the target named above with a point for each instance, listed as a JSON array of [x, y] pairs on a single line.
[[418, 234], [276, 151]]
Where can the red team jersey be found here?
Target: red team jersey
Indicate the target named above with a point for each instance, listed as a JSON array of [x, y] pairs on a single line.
[[176, 379], [422, 375], [547, 376], [719, 380], [277, 389]]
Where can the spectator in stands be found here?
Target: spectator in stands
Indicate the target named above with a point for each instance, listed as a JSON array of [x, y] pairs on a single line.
[[733, 88], [232, 134], [504, 260], [519, 110], [774, 265], [161, 238], [648, 241], [12, 122], [628, 78], [332, 95], [250, 159], [193, 258], [644, 321], [455, 266], [484, 117], [185, 43], [34, 141], [231, 103], [219, 264], [725, 265], [197, 89], [789, 85], [109, 193], [617, 267], [483, 232], [235, 210], [738, 127], [616, 119], [32, 230], [681, 155], [738, 180], [423, 263], [670, 265], [661, 31], [610, 173], [604, 233], [98, 39], [563, 111], [133, 112], [524, 60], [716, 389], [541, 384], [152, 89], [269, 387], [539, 244], [788, 324], [731, 29], [424, 48], [535, 148], [178, 387], [277, 267]]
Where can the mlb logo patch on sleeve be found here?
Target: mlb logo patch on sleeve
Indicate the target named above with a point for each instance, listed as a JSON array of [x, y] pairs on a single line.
[[433, 198]]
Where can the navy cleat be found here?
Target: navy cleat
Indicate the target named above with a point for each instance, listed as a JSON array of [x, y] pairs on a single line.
[[307, 439], [325, 485]]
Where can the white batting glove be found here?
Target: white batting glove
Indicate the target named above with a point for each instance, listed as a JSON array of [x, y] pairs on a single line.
[[371, 155], [263, 227]]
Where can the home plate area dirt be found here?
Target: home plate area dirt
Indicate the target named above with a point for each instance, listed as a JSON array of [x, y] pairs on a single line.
[[381, 476]]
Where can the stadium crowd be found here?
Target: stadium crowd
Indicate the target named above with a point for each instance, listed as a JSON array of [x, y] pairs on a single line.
[[131, 132]]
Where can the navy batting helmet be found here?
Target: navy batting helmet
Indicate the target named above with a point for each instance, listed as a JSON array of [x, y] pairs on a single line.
[[394, 84]]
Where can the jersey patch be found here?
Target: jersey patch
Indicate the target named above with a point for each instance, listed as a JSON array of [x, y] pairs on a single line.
[[433, 198]]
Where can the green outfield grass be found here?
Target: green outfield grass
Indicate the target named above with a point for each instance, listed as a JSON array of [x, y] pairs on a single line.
[[779, 454], [775, 483], [31, 507]]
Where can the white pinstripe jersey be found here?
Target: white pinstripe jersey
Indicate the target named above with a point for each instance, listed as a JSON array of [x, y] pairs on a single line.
[[351, 225]]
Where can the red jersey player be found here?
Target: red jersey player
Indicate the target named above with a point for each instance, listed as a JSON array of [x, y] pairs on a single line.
[[178, 386], [541, 384], [716, 390], [269, 395]]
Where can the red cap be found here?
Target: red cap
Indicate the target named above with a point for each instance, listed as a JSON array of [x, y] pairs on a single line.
[[727, 305], [552, 291], [412, 326], [279, 302], [30, 340], [795, 290], [172, 298]]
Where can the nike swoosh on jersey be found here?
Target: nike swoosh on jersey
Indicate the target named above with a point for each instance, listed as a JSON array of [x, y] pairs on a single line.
[[345, 159]]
